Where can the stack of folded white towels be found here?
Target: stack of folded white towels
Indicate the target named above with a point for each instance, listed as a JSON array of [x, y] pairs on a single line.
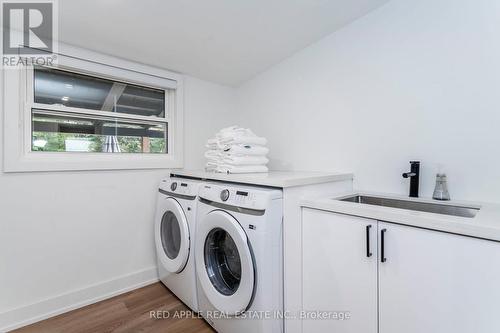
[[236, 150]]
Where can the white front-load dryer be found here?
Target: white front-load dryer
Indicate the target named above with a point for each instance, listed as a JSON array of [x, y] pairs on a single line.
[[239, 264], [174, 237]]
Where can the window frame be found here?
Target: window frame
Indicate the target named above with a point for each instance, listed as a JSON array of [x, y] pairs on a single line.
[[19, 102]]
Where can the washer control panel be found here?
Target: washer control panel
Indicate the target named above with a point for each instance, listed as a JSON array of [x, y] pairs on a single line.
[[244, 197], [180, 186]]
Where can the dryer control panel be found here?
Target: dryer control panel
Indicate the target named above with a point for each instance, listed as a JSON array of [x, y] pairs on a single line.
[[180, 186], [244, 197]]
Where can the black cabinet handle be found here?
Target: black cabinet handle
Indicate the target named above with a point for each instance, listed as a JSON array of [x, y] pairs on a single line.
[[368, 253], [382, 246]]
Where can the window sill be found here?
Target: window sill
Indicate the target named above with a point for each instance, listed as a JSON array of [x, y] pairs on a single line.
[[39, 161]]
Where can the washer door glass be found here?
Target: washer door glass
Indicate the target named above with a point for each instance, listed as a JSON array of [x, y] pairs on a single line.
[[222, 260], [170, 235]]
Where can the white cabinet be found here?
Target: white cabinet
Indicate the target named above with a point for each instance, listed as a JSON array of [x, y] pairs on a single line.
[[430, 281], [339, 272], [438, 282]]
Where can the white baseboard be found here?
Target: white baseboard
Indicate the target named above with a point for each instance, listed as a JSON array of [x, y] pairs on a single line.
[[56, 305]]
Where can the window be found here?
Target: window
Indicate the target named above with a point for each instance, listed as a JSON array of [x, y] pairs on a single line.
[[78, 113], [84, 115]]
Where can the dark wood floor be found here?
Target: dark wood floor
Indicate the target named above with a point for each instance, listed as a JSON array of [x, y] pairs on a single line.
[[128, 312]]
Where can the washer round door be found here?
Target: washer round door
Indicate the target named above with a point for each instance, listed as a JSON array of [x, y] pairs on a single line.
[[172, 235], [224, 263]]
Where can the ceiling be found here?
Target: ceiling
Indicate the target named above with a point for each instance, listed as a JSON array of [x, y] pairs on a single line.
[[223, 41]]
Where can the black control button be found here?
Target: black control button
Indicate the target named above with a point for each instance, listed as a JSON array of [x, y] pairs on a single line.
[[224, 195], [173, 186]]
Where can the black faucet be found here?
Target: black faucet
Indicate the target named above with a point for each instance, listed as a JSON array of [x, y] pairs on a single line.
[[414, 176]]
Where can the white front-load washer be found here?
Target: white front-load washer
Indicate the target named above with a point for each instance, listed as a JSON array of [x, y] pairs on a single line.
[[239, 258], [174, 237]]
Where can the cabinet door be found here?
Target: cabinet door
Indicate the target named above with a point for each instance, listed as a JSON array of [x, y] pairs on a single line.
[[438, 282], [338, 275]]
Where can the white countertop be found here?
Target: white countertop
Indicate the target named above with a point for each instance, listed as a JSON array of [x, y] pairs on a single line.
[[280, 179], [486, 223]]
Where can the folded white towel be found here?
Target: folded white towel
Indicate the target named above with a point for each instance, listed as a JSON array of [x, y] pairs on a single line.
[[230, 129], [213, 153], [211, 167], [243, 140], [238, 135], [214, 159], [234, 135], [243, 160], [212, 144], [245, 150], [227, 168], [233, 132]]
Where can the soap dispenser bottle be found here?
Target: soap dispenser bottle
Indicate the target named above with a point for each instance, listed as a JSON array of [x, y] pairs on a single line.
[[441, 189]]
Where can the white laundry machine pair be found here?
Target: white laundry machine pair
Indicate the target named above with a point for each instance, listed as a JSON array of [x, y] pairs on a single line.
[[174, 237], [238, 257]]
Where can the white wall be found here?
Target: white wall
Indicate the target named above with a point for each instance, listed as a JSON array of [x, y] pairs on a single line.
[[67, 237], [209, 107], [411, 80]]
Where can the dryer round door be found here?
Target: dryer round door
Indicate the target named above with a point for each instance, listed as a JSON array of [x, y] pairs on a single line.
[[172, 236], [224, 263]]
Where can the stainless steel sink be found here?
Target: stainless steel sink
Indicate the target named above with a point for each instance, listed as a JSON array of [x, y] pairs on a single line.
[[462, 211]]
